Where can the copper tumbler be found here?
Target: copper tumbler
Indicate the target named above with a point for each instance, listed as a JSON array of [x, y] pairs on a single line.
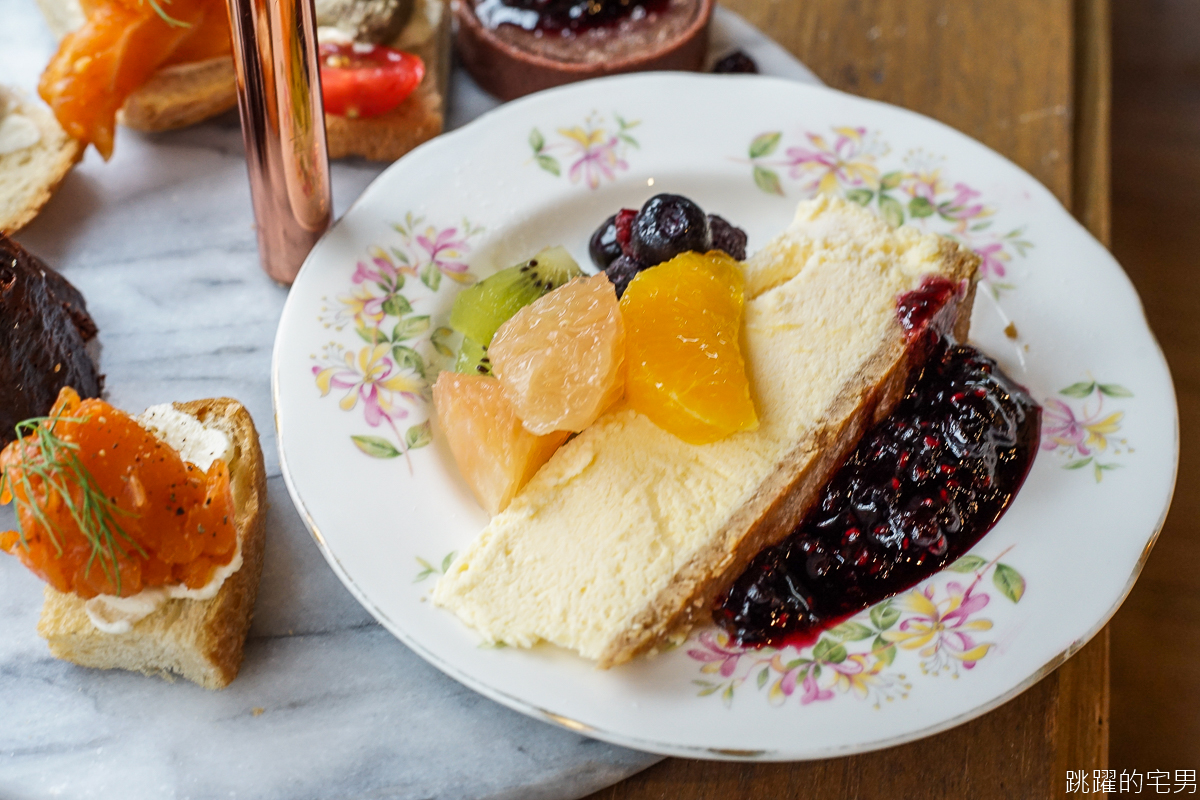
[[283, 124]]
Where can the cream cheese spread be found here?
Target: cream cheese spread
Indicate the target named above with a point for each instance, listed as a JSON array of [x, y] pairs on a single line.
[[201, 445], [328, 34], [17, 131]]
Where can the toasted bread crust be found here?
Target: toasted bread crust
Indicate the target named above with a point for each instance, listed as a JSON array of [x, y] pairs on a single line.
[[201, 640], [387, 136], [786, 497], [29, 177], [181, 95]]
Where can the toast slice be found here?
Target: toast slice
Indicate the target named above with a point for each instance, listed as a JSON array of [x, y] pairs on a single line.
[[422, 115], [621, 542], [181, 95], [29, 175], [201, 640], [175, 96], [184, 94]]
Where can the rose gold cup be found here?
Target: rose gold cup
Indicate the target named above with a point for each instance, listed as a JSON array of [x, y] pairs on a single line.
[[283, 123]]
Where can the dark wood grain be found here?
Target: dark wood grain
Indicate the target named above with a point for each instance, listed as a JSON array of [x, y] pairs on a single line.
[[1156, 202], [1028, 78], [1000, 71]]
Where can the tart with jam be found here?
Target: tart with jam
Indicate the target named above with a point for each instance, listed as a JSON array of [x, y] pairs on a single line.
[[515, 47]]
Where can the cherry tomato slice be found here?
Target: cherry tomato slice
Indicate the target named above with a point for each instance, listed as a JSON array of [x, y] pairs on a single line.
[[366, 80]]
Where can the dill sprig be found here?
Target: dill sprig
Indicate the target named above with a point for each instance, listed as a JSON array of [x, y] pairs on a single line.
[[55, 462], [167, 18]]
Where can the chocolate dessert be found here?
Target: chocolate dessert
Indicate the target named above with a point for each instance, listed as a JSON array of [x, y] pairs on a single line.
[[44, 330], [515, 47]]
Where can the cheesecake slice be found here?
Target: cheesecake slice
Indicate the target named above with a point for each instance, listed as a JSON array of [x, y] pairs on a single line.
[[626, 535]]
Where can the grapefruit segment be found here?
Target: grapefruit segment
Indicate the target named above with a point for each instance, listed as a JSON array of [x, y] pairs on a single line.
[[494, 452], [561, 358]]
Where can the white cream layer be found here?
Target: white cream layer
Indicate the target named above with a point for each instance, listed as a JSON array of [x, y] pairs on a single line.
[[17, 131], [201, 445]]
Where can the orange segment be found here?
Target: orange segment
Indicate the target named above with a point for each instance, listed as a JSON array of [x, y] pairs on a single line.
[[494, 452], [683, 320]]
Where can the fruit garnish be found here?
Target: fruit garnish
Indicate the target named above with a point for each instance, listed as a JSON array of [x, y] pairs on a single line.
[[118, 48], [480, 310], [737, 62], [727, 237], [473, 359], [685, 367], [366, 80], [561, 358], [605, 245], [494, 452], [622, 271], [667, 225], [105, 507]]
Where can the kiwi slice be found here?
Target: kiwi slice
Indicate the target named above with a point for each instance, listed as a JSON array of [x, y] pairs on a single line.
[[479, 312], [472, 359]]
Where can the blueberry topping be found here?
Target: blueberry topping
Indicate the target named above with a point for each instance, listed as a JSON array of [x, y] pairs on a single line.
[[727, 237], [736, 62], [603, 246], [621, 272], [667, 225]]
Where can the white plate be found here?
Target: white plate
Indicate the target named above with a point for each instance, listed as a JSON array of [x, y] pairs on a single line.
[[388, 510]]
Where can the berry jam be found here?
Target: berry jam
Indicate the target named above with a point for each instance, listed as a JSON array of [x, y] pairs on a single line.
[[920, 490], [927, 305], [564, 17]]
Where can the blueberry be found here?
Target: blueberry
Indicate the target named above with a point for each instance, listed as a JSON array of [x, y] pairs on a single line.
[[668, 225], [728, 237], [736, 62], [621, 272], [603, 247]]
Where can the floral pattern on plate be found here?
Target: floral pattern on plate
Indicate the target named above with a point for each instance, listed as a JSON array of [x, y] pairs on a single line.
[[1084, 435], [388, 373], [593, 150], [914, 191], [938, 619], [428, 568]]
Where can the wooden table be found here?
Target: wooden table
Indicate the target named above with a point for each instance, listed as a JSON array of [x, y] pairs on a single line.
[[1029, 78]]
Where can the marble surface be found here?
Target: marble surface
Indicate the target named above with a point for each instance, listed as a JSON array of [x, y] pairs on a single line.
[[161, 242]]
